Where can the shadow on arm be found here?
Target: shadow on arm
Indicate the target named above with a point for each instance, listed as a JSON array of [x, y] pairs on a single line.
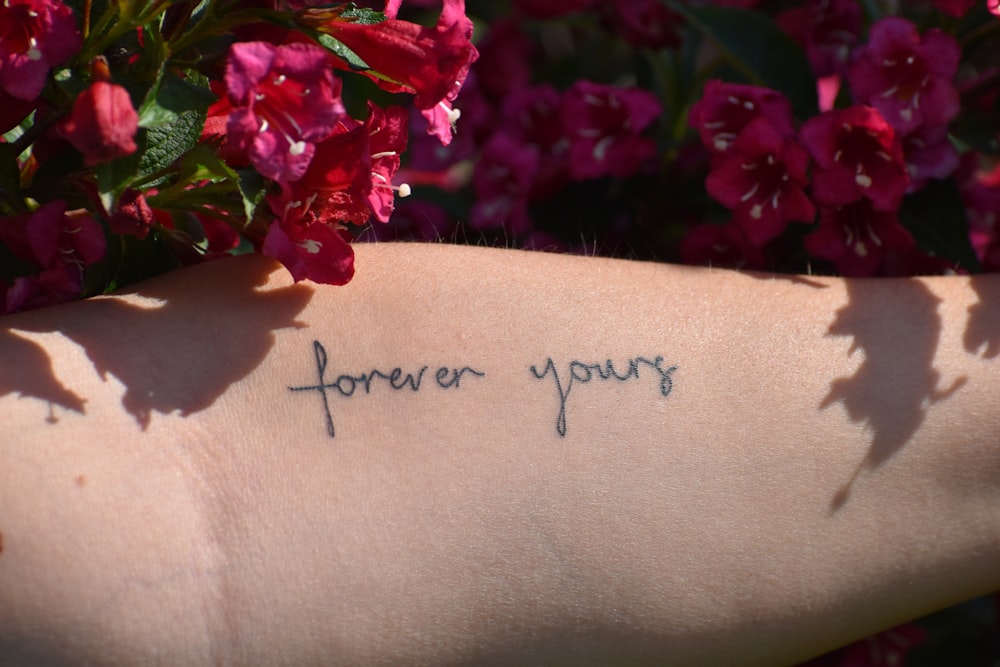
[[203, 329], [896, 327]]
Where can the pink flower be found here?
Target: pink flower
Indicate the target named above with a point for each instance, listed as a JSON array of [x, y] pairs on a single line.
[[908, 77], [311, 250], [856, 237], [387, 133], [60, 244], [603, 124], [531, 116], [856, 155], [35, 36], [828, 29], [762, 180], [102, 124], [285, 99], [726, 108]]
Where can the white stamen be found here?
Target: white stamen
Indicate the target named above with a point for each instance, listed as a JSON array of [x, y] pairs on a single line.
[[311, 246], [750, 193], [757, 212], [280, 79], [263, 126], [297, 148], [601, 149], [404, 190], [377, 156]]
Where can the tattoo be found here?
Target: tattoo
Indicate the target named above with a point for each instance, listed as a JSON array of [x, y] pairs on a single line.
[[348, 385], [584, 373]]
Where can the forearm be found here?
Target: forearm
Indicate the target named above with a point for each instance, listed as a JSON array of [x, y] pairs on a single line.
[[736, 483]]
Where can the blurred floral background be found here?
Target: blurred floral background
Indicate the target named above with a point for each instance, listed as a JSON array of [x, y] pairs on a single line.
[[850, 137]]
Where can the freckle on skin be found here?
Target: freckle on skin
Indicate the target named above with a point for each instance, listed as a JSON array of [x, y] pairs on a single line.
[[1, 543], [81, 480]]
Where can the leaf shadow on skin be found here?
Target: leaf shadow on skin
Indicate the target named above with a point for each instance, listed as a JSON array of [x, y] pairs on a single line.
[[168, 355], [897, 329], [27, 370], [982, 333]]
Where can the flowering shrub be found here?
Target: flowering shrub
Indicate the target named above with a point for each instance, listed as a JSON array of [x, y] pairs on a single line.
[[836, 136], [141, 135]]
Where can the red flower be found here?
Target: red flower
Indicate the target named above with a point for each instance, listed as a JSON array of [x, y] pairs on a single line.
[[432, 63], [762, 180], [102, 124], [35, 36], [908, 77], [856, 237], [604, 125], [285, 99], [133, 217], [311, 250], [857, 154], [726, 108]]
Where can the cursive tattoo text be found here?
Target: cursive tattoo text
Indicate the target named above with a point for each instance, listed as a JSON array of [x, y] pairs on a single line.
[[583, 373], [347, 385]]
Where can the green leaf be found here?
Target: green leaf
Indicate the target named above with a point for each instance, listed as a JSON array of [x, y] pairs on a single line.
[[362, 15], [756, 47], [171, 97], [339, 49], [936, 217], [252, 190], [167, 143], [114, 176]]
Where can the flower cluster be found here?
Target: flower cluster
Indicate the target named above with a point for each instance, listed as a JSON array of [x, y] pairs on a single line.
[[814, 135], [143, 134]]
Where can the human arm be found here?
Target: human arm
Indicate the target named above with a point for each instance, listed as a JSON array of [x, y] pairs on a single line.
[[783, 497]]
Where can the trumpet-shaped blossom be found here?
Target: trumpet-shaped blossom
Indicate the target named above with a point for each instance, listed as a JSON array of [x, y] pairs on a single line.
[[721, 245], [311, 250], [856, 237], [102, 124], [906, 76], [35, 36], [856, 154], [763, 180], [387, 133], [504, 177], [285, 99], [604, 125], [726, 108]]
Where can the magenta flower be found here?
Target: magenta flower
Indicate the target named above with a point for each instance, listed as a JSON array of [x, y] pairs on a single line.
[[102, 124], [387, 134], [35, 36], [311, 250], [726, 108], [908, 77], [604, 125], [721, 245], [648, 23], [503, 181], [133, 216], [62, 245], [856, 237], [856, 154], [531, 116], [763, 180], [827, 29], [285, 99], [929, 154]]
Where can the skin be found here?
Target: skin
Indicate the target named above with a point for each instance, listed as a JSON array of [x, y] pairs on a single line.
[[824, 465]]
